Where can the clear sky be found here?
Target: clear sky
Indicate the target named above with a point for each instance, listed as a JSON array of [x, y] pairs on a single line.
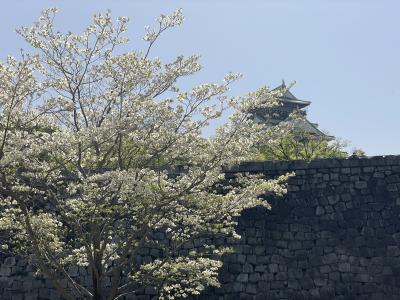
[[344, 54]]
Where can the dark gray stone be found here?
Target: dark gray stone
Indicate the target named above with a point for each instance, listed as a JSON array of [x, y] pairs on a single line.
[[335, 235]]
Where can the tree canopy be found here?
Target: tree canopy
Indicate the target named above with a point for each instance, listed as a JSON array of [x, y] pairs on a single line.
[[298, 144], [89, 141], [291, 142]]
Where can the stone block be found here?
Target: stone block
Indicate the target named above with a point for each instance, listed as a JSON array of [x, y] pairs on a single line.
[[254, 277], [156, 253], [330, 258], [252, 241], [82, 271], [259, 250], [393, 251], [187, 245], [263, 286], [5, 271], [368, 169], [293, 188], [226, 277], [300, 172], [393, 178], [44, 293], [360, 185], [149, 290], [251, 289], [319, 211], [17, 296], [238, 287], [378, 175], [273, 268], [73, 271], [231, 257], [31, 296], [247, 249], [294, 245], [294, 284], [241, 259], [339, 207], [235, 268], [251, 259], [362, 278], [345, 171], [248, 268], [281, 276], [260, 268], [277, 285], [252, 166], [277, 259], [319, 282], [10, 261], [147, 259], [27, 285], [246, 296], [325, 269], [344, 267], [334, 276]]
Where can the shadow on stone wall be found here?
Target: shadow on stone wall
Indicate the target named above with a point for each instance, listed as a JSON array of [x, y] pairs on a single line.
[[335, 235]]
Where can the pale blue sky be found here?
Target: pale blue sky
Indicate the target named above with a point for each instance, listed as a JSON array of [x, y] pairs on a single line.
[[344, 54]]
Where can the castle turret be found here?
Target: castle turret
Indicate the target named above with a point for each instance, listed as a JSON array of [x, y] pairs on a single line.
[[288, 105]]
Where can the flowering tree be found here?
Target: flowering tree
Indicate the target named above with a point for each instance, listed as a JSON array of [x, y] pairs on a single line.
[[90, 140], [298, 144]]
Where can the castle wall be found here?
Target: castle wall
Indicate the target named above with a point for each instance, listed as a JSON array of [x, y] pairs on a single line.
[[335, 235]]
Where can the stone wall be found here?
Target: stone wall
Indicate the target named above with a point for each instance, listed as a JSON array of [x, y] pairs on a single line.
[[335, 235]]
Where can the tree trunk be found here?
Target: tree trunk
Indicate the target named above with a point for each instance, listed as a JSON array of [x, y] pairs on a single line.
[[97, 286]]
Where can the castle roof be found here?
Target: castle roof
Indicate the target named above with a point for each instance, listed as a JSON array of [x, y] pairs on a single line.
[[287, 96], [290, 103], [303, 123]]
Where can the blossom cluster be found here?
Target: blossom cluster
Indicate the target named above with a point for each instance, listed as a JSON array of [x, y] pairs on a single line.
[[89, 141]]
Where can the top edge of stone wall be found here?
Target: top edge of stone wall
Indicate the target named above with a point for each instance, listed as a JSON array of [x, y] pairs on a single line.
[[327, 163]]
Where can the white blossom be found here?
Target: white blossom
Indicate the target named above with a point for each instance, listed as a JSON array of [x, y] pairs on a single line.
[[92, 142]]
